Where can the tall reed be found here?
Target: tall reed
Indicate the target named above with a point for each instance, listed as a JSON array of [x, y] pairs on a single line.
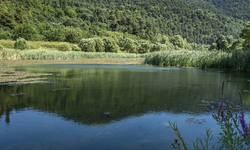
[[58, 55], [201, 59]]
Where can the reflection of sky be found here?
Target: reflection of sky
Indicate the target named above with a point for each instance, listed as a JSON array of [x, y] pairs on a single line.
[[32, 129]]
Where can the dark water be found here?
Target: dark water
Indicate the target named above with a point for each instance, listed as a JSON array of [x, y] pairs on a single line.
[[110, 107]]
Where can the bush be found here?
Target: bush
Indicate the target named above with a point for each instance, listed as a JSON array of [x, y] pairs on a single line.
[[99, 45], [144, 48], [5, 34], [87, 45], [64, 47], [129, 45], [21, 44], [110, 45], [76, 48], [55, 34], [73, 35], [177, 41], [158, 47]]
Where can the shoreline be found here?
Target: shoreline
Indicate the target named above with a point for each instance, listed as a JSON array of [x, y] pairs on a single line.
[[125, 61]]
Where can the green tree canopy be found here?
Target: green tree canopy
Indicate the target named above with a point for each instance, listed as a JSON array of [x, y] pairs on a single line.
[[245, 34]]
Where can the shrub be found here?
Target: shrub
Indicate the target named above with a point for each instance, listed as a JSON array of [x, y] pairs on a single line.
[[76, 48], [158, 47], [99, 45], [87, 45], [129, 45], [21, 44], [177, 41], [73, 35], [55, 34], [143, 48], [5, 34], [110, 45], [64, 47]]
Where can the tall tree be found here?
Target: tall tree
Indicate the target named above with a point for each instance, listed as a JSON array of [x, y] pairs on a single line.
[[245, 34]]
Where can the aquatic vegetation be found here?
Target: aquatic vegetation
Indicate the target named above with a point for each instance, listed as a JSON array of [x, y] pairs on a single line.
[[59, 55], [11, 77], [230, 137], [237, 60]]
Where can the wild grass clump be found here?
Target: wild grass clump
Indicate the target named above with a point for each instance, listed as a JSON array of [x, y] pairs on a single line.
[[1, 46], [9, 54], [7, 43], [199, 59], [21, 44]]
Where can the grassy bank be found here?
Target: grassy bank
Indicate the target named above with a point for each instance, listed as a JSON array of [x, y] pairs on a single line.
[[34, 44], [238, 60], [10, 54]]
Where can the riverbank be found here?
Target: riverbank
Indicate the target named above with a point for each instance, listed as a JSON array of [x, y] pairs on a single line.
[[136, 61]]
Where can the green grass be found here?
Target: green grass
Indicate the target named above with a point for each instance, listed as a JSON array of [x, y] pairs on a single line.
[[237, 60], [34, 44]]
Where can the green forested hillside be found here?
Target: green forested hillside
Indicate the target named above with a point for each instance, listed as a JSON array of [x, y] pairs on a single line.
[[236, 9], [71, 20]]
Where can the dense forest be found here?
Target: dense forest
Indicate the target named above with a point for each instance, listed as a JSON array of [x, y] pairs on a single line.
[[72, 20]]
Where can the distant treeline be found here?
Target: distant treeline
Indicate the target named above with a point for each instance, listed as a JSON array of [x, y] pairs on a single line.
[[72, 20]]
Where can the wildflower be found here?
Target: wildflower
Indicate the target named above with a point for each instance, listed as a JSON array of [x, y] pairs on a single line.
[[222, 107], [243, 124]]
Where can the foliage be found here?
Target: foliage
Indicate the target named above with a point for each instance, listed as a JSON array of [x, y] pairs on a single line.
[[144, 47], [150, 20], [25, 31], [76, 48], [157, 47], [87, 45], [177, 41], [110, 45], [99, 44], [245, 34], [64, 47], [73, 35], [55, 34], [129, 45], [21, 44], [5, 34]]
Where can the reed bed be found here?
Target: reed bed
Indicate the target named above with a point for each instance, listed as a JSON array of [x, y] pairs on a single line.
[[10, 54], [237, 60]]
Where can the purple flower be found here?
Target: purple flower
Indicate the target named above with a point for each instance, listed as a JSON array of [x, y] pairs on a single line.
[[222, 107], [243, 124]]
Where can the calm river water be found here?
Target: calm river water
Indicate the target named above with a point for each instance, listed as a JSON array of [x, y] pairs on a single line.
[[113, 107]]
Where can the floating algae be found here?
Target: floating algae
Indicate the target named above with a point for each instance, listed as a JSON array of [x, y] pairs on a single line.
[[11, 77]]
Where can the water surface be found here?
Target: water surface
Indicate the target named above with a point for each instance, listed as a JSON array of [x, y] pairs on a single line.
[[108, 107]]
